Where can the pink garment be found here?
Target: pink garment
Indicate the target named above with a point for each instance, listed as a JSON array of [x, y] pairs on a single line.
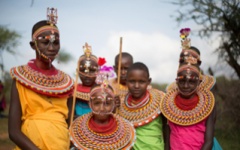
[[187, 137]]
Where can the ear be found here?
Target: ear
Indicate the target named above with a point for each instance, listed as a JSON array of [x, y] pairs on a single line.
[[32, 44], [149, 80]]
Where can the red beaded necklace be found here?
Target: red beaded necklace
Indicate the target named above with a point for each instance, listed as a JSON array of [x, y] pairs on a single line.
[[186, 104], [108, 128]]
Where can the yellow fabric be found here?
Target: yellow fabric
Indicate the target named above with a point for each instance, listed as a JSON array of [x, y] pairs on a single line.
[[44, 119]]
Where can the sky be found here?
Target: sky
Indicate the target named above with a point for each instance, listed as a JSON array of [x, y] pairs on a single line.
[[148, 31]]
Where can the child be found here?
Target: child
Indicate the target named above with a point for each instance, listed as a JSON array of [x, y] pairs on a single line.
[[190, 111], [191, 54], [126, 61], [88, 67], [142, 108], [190, 106], [39, 106], [101, 129]]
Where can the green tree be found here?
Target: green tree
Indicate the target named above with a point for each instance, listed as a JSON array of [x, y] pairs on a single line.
[[8, 41], [64, 57], [221, 17]]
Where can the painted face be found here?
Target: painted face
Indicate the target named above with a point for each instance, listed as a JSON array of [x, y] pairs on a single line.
[[187, 83], [87, 72], [125, 64], [48, 44], [102, 105], [137, 83]]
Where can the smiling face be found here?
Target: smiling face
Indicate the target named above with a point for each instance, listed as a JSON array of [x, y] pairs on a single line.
[[187, 83], [102, 105], [137, 83], [87, 72]]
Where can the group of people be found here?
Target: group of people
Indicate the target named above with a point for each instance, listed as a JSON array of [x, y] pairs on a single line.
[[109, 113]]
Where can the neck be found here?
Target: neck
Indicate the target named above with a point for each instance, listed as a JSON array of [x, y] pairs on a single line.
[[43, 65], [102, 121]]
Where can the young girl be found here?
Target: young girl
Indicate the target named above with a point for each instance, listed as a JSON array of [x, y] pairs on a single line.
[[88, 67], [191, 54], [101, 129], [38, 107], [142, 108], [190, 112]]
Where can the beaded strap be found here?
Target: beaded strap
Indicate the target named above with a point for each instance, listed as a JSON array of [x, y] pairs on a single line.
[[207, 83], [189, 117], [145, 114], [83, 96], [84, 138]]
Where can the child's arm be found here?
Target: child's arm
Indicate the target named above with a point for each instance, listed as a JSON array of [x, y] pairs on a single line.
[[15, 123], [166, 133], [209, 134]]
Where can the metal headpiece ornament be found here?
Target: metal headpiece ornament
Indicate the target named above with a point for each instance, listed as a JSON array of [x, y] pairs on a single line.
[[52, 16], [87, 52]]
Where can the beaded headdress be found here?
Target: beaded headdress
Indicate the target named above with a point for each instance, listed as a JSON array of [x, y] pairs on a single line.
[[51, 21], [87, 57], [188, 68], [187, 55], [103, 87]]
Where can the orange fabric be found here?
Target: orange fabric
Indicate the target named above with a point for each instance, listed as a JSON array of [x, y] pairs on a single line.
[[44, 119]]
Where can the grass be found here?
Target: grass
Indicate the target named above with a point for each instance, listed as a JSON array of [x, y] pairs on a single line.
[[5, 142]]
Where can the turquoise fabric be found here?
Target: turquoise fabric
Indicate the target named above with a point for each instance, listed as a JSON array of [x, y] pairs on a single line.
[[82, 108], [150, 136], [216, 145]]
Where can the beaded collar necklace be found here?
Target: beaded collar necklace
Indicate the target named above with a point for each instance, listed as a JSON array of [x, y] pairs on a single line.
[[53, 83], [83, 92], [140, 116], [187, 117], [142, 102], [83, 137]]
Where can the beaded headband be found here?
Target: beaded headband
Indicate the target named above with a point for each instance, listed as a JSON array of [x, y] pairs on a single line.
[[51, 20], [188, 68]]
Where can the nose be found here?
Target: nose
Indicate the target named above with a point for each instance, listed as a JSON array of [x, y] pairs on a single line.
[[50, 47], [123, 71], [136, 85], [186, 84]]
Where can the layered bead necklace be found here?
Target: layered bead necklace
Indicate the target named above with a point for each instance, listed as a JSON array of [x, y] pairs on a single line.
[[84, 136], [145, 111], [54, 83], [179, 116]]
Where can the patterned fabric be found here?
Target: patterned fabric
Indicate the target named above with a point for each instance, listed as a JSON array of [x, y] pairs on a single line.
[[53, 82], [44, 119], [83, 137]]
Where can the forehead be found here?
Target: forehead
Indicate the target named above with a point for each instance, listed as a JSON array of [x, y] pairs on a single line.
[[185, 73], [137, 73], [92, 62], [48, 32]]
